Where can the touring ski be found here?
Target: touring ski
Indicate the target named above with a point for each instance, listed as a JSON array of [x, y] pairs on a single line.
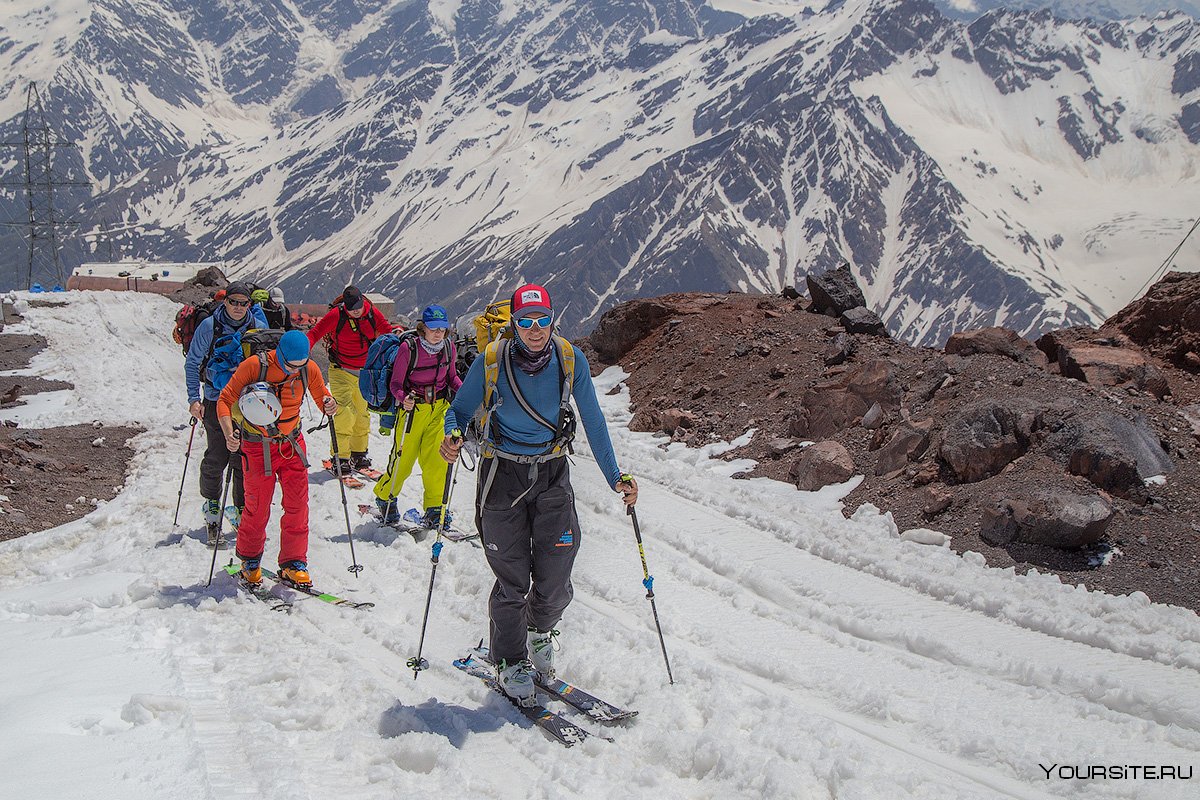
[[258, 592], [561, 729], [349, 481], [593, 706], [315, 592]]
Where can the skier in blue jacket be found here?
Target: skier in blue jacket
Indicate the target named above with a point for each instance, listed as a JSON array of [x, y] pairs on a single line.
[[207, 370], [525, 506]]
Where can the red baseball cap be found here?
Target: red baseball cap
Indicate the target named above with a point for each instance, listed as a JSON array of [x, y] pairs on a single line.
[[531, 299]]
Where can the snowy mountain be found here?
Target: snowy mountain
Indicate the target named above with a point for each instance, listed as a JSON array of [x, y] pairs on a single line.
[[969, 10], [814, 656], [1019, 170]]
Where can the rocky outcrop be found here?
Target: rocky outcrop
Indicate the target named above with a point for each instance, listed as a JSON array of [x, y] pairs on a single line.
[[628, 324], [997, 341], [834, 292], [1166, 321]]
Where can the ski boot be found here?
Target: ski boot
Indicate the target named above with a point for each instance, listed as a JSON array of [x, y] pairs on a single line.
[[516, 680], [541, 652], [360, 461], [296, 574], [389, 512], [251, 573], [433, 517], [212, 511]]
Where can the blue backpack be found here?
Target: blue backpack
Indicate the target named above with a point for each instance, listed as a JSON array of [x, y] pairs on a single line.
[[376, 375], [224, 356]]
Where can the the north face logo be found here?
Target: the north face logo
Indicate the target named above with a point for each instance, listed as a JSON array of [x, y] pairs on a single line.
[[532, 296]]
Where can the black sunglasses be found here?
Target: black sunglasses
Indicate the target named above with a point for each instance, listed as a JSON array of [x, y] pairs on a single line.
[[237, 303]]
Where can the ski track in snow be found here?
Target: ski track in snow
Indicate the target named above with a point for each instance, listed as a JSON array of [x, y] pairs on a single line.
[[814, 656]]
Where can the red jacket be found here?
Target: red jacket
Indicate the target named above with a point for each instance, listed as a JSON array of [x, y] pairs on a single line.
[[350, 338]]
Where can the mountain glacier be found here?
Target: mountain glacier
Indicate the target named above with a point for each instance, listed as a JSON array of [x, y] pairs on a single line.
[[1018, 169]]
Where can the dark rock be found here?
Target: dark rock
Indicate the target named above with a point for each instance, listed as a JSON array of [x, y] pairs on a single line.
[[1053, 517], [780, 447], [863, 320], [840, 349], [1112, 452], [790, 293], [834, 292], [675, 418], [623, 327], [822, 464], [996, 341], [982, 439]]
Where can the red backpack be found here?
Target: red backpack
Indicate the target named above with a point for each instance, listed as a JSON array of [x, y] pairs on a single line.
[[189, 318]]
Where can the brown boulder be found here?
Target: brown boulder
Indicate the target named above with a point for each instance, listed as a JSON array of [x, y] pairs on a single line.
[[996, 341], [1112, 366], [907, 444], [1053, 517], [673, 418], [822, 464], [835, 405]]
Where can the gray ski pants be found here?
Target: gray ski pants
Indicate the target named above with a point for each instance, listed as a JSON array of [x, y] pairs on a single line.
[[530, 544], [216, 458]]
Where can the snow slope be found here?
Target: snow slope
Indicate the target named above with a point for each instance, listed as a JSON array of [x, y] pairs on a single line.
[[815, 656]]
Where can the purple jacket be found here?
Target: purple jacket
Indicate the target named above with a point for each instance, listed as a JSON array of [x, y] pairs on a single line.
[[430, 370]]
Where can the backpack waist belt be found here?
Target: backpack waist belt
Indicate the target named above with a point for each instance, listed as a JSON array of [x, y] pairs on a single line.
[[488, 450]]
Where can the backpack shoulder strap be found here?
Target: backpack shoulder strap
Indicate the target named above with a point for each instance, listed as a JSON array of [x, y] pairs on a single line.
[[491, 371], [262, 367], [566, 364]]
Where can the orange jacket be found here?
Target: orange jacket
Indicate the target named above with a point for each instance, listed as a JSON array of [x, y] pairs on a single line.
[[288, 387], [351, 337]]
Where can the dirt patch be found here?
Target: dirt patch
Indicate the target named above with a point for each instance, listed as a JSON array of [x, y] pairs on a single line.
[[50, 476], [55, 475], [721, 364]]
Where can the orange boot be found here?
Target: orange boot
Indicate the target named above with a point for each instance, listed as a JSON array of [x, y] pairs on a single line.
[[295, 573]]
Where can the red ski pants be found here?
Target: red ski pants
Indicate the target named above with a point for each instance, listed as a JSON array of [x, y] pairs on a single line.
[[288, 469]]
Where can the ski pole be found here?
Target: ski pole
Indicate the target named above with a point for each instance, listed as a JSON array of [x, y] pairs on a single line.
[[648, 582], [220, 522], [416, 663], [354, 567], [186, 456]]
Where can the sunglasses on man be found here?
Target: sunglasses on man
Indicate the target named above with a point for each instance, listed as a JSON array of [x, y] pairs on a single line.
[[237, 303], [528, 322]]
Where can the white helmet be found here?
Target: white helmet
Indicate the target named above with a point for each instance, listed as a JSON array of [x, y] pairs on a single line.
[[260, 405]]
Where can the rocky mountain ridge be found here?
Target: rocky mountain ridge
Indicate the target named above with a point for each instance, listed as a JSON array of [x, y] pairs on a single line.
[[1078, 455]]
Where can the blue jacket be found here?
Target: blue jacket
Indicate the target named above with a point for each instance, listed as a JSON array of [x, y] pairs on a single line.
[[518, 432], [202, 339]]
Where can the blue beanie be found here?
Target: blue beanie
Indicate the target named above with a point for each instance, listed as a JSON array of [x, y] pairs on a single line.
[[293, 346]]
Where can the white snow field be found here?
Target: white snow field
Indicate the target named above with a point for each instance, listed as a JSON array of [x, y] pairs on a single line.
[[814, 656]]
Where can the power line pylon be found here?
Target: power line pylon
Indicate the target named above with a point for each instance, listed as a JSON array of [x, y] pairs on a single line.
[[44, 219]]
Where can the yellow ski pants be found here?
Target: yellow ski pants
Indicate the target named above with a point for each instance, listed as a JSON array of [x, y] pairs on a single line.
[[352, 420], [419, 444]]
